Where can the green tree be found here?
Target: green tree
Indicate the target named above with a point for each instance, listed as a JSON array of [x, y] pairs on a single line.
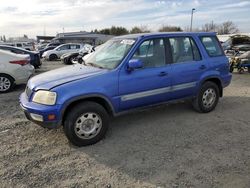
[[118, 31], [141, 29]]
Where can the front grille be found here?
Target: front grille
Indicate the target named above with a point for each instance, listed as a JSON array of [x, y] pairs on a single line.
[[28, 91]]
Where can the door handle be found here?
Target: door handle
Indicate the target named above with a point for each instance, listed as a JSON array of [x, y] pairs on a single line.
[[202, 67], [163, 74]]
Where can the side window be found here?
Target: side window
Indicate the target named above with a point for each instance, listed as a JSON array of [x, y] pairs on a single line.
[[184, 49], [151, 53], [65, 47], [74, 46], [212, 46], [196, 52], [19, 45]]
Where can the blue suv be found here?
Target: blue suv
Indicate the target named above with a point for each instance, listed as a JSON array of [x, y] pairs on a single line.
[[127, 73]]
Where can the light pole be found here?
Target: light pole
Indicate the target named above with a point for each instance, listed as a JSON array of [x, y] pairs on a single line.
[[192, 12]]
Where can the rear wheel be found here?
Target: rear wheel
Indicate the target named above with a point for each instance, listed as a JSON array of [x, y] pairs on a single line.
[[86, 124], [6, 83], [207, 98]]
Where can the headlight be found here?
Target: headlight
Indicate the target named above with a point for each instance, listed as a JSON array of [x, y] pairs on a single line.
[[45, 97]]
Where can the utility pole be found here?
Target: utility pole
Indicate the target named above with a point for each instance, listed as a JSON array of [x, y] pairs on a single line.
[[191, 25]]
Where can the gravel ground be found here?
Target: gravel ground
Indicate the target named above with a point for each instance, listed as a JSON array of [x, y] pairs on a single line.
[[167, 146]]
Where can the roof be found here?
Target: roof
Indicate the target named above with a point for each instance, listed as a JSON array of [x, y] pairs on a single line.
[[16, 48], [165, 34]]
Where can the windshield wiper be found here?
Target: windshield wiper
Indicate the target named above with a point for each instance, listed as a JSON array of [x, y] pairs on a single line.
[[94, 65]]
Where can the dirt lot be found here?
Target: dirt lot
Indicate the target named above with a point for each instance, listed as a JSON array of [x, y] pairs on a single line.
[[168, 146]]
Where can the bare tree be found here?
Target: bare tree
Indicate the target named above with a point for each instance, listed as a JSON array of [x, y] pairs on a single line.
[[227, 27], [208, 27]]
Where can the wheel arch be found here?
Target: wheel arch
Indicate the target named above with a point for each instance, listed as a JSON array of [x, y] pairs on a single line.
[[215, 80], [8, 75], [103, 101]]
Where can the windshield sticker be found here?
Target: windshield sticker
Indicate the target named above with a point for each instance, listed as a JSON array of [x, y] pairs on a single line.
[[127, 42]]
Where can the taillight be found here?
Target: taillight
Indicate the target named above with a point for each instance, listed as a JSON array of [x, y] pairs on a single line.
[[20, 62]]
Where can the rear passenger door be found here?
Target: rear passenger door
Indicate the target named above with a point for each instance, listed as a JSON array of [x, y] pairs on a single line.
[[187, 66], [74, 47]]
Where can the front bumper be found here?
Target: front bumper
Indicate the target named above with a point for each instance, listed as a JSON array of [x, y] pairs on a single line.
[[41, 110]]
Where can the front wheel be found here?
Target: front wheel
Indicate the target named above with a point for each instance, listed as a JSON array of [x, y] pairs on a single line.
[[53, 57], [207, 98], [86, 124]]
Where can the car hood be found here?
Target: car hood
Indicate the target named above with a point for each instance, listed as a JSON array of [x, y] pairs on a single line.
[[63, 75]]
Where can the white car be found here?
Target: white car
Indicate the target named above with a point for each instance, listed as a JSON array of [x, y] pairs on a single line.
[[15, 69], [60, 50]]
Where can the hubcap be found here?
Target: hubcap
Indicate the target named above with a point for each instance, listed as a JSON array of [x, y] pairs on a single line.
[[209, 97], [4, 84], [88, 125]]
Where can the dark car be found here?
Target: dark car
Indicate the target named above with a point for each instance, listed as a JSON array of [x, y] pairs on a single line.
[[34, 56], [46, 49]]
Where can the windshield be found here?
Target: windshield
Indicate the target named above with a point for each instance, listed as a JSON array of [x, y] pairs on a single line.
[[110, 54]]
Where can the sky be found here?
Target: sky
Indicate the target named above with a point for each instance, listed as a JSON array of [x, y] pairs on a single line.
[[38, 17]]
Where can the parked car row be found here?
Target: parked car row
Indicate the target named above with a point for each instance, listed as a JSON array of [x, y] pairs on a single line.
[[76, 57], [60, 50]]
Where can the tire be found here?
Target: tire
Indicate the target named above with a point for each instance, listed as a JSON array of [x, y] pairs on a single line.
[[207, 98], [6, 83], [53, 57], [248, 69], [86, 124]]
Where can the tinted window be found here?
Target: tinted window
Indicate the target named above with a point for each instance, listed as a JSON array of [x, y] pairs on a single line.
[[184, 49], [74, 46], [65, 47], [212, 46], [151, 53]]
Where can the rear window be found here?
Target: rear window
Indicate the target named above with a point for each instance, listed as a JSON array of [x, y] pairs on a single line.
[[212, 46]]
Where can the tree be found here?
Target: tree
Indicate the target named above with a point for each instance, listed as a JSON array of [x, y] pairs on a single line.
[[105, 31], [1, 39], [4, 38], [25, 36], [135, 30], [141, 29], [118, 31], [227, 27], [209, 27], [168, 28]]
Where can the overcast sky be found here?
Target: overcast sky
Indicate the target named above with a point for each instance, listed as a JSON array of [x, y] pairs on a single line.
[[18, 17]]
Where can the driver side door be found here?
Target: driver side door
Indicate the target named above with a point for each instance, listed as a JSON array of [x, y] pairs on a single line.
[[149, 84]]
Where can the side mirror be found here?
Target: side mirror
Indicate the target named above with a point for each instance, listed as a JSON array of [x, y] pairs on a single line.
[[134, 64]]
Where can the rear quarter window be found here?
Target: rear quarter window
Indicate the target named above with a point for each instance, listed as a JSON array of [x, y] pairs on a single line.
[[212, 46]]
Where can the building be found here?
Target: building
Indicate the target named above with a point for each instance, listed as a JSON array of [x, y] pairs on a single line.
[[44, 38], [82, 37]]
